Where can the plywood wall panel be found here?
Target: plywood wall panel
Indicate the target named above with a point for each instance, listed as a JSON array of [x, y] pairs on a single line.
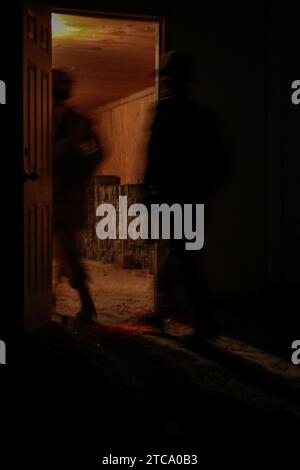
[[124, 131]]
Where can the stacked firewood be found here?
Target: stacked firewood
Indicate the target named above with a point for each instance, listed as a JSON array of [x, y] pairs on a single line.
[[127, 253]]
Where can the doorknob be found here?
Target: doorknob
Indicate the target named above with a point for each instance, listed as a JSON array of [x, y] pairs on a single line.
[[30, 175]]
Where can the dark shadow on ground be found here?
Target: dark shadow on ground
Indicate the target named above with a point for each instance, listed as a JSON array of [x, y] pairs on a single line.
[[81, 393], [268, 320]]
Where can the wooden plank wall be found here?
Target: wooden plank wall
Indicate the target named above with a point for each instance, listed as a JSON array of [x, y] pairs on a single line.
[[123, 128]]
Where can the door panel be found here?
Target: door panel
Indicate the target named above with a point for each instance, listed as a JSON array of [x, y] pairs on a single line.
[[37, 164]]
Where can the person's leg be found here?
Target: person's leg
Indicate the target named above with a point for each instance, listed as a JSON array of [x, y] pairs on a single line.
[[197, 292], [74, 270], [164, 276], [163, 285]]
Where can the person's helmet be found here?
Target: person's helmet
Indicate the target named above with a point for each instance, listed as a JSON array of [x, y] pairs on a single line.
[[61, 85], [176, 66]]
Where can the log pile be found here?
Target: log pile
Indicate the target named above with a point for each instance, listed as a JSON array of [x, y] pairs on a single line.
[[127, 253]]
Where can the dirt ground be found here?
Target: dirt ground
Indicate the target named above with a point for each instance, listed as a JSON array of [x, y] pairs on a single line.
[[120, 295]]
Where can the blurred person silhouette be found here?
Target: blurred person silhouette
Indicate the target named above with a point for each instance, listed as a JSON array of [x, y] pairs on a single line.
[[187, 163], [76, 152]]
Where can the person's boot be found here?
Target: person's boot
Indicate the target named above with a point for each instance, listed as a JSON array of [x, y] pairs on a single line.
[[152, 319], [88, 311], [206, 331], [86, 316]]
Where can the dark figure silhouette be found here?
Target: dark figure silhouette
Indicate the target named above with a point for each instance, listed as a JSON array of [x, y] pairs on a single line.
[[186, 164], [76, 152]]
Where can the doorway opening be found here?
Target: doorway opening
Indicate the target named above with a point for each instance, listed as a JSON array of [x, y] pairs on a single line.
[[112, 62]]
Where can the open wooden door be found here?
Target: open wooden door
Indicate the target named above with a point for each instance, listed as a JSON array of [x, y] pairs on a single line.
[[37, 163]]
